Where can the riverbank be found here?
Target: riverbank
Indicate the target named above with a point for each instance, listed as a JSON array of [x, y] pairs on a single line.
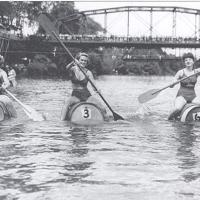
[[51, 61]]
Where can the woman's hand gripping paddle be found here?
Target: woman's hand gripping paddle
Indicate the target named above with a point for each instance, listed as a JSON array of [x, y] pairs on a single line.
[[31, 113], [151, 94], [50, 29]]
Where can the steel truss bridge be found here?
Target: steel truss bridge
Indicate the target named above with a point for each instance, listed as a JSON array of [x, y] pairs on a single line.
[[149, 41], [150, 9]]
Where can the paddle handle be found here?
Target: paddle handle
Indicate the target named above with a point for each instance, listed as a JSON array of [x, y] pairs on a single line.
[[93, 85], [175, 83], [17, 100]]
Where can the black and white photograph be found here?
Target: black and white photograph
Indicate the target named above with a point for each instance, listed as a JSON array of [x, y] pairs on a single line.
[[99, 100]]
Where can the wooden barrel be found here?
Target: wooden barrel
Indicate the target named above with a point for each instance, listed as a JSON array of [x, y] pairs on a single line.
[[86, 113], [190, 112], [3, 112]]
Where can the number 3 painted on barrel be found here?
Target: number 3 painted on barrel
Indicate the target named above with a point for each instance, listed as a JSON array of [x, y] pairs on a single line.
[[196, 116], [86, 113]]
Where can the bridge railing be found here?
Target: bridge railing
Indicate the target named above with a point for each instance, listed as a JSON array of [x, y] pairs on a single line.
[[128, 57], [144, 39]]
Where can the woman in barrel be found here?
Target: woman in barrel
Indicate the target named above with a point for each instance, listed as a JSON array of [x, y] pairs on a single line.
[[11, 75], [80, 91], [4, 83], [186, 92]]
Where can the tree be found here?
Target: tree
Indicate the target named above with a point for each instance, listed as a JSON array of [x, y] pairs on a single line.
[[73, 22], [15, 13], [5, 10]]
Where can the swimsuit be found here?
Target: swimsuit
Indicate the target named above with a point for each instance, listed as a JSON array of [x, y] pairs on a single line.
[[80, 91], [186, 89]]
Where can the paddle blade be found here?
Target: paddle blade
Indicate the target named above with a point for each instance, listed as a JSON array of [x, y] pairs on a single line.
[[147, 96], [117, 116], [47, 25], [33, 114]]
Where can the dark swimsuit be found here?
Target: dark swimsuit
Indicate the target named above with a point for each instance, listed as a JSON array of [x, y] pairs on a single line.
[[81, 92], [186, 89]]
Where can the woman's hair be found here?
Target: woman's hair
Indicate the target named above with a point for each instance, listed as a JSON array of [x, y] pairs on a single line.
[[81, 54], [188, 55]]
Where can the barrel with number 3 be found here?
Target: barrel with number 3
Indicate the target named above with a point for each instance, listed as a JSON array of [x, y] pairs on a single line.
[[4, 114], [86, 113], [190, 112]]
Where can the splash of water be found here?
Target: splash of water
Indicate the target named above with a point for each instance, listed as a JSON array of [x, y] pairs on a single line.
[[142, 111]]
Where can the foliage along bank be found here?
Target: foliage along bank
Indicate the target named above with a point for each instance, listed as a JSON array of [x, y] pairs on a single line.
[[44, 59]]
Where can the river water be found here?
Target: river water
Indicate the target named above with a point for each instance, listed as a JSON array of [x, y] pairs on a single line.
[[147, 157]]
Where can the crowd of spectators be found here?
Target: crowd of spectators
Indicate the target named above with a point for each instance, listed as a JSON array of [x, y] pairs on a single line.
[[111, 38], [143, 39]]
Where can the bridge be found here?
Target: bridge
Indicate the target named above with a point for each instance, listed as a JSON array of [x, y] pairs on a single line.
[[149, 39], [151, 22]]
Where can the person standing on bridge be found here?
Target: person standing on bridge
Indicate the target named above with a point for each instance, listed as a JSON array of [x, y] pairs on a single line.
[[186, 92], [80, 92]]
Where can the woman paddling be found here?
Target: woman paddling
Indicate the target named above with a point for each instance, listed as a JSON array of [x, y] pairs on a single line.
[[4, 83], [80, 91], [186, 92]]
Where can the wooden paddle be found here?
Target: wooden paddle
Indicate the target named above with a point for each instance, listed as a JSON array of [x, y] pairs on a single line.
[[151, 94], [31, 113], [51, 30]]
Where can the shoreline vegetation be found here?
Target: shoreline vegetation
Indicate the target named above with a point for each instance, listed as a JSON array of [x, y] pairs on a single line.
[[39, 62]]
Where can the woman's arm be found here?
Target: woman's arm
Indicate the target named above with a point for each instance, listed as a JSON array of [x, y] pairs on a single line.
[[70, 65], [90, 87], [177, 77], [90, 75], [197, 71], [6, 82]]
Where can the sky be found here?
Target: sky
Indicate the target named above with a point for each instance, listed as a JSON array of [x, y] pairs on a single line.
[[89, 5], [140, 21]]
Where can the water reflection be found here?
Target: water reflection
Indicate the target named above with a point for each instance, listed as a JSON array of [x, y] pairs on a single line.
[[14, 172], [186, 137], [77, 168]]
